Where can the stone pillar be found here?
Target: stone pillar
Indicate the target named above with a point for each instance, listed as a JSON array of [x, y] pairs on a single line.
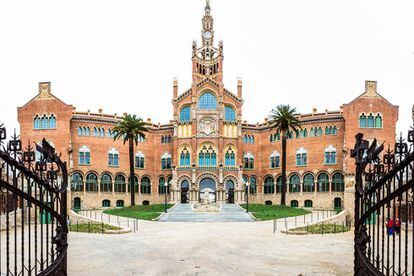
[[349, 195]]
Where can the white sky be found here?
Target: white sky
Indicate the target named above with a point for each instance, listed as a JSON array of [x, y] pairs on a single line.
[[122, 55]]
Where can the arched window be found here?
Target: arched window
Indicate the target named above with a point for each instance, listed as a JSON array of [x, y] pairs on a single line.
[[323, 182], [207, 156], [113, 158], [274, 160], [334, 130], [36, 122], [84, 156], [370, 121], [106, 183], [77, 203], [185, 157], [106, 203], [338, 182], [95, 131], [330, 155], [378, 121], [136, 190], [312, 132], [294, 203], [207, 101], [308, 183], [87, 131], [119, 203], [91, 182], [230, 158], [294, 184], [185, 114], [308, 203], [162, 189], [269, 185], [139, 160], [145, 185], [52, 121], [304, 133], [279, 185], [76, 182], [120, 185], [248, 161], [253, 185], [362, 121], [166, 161], [44, 122], [229, 114], [319, 132], [301, 157], [80, 131]]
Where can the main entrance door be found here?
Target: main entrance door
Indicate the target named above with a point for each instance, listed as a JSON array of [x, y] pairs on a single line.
[[208, 184], [185, 187], [229, 191]]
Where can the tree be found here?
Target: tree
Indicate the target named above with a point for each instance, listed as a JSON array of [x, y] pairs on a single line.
[[131, 129], [284, 119]]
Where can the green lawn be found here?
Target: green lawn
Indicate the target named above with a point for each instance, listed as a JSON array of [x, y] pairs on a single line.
[[147, 212], [323, 229], [268, 212], [91, 227]]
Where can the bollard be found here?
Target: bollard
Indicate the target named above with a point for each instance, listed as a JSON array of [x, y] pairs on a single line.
[[311, 217], [322, 228], [276, 224], [323, 214], [128, 222], [304, 219], [286, 226], [134, 226], [89, 226], [334, 227], [102, 227], [77, 226], [318, 214]]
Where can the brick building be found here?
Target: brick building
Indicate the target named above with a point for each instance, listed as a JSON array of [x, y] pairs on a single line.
[[207, 145]]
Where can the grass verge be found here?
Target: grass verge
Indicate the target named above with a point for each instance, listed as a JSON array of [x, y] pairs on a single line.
[[145, 212], [269, 212], [91, 227], [322, 229]]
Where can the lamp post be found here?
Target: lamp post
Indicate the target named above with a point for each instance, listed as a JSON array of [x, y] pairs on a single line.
[[165, 197], [247, 196]]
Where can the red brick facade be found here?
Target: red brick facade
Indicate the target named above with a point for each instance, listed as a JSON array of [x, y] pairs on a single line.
[[209, 123]]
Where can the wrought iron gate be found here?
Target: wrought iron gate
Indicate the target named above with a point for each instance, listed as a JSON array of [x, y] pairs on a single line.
[[384, 236], [34, 230]]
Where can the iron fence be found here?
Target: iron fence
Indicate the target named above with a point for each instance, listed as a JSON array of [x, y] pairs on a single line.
[[384, 237], [34, 229]]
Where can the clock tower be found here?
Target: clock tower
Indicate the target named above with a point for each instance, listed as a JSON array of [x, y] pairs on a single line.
[[207, 59]]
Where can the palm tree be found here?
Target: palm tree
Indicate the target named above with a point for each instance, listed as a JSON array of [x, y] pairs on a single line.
[[284, 119], [131, 129]]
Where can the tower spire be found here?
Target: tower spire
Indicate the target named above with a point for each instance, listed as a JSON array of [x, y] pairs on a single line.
[[207, 9]]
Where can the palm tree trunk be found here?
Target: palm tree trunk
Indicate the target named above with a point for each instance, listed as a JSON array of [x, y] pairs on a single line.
[[283, 195], [131, 170]]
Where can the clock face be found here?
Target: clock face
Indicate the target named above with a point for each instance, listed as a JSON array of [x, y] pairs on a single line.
[[207, 34]]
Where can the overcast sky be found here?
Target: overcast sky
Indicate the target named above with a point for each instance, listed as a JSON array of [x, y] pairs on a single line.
[[122, 55]]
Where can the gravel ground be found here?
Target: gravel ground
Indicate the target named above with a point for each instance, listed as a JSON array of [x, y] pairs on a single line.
[[211, 248]]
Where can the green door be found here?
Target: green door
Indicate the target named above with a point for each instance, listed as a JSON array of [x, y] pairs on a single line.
[[46, 217]]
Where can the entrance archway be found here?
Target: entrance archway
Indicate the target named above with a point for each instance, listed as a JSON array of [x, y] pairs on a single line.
[[185, 187], [229, 191], [208, 184]]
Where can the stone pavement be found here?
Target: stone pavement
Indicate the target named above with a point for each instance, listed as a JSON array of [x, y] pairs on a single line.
[[227, 213], [209, 248]]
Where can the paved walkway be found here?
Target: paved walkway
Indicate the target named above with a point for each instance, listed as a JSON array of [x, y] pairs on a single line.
[[227, 213], [210, 248]]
